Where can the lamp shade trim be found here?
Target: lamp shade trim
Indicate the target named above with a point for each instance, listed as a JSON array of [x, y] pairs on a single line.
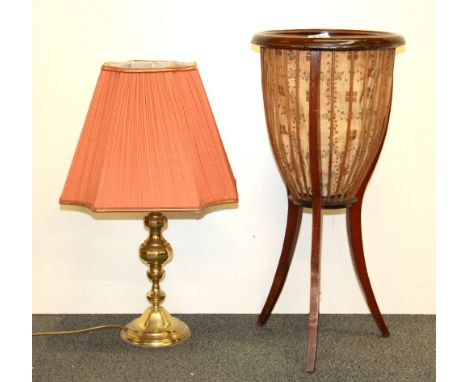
[[145, 66], [148, 209]]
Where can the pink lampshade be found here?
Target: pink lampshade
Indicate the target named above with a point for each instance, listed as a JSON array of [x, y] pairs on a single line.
[[149, 143]]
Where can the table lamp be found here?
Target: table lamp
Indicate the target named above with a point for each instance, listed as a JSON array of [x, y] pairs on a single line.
[[150, 143]]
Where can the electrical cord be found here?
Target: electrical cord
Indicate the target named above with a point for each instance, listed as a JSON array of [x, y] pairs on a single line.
[[77, 331]]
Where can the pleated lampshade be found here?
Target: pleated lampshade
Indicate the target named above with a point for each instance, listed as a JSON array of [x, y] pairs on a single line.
[[149, 143]]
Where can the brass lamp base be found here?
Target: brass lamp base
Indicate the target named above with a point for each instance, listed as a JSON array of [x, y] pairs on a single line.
[[155, 328]]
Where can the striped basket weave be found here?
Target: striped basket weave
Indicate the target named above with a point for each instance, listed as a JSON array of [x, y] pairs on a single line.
[[354, 107]]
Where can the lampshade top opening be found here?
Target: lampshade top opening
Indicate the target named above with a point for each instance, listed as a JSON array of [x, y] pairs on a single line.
[[148, 65]]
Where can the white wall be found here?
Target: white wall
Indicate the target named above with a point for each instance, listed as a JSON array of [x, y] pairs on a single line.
[[225, 260]]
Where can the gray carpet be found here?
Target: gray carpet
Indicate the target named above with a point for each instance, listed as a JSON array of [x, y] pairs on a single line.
[[233, 348]]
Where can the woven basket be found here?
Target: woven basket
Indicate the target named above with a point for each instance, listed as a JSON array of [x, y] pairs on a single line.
[[355, 70]]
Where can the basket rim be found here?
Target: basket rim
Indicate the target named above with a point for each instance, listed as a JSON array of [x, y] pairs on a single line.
[[327, 39]]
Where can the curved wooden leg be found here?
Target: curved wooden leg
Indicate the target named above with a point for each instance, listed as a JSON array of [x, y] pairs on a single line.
[[316, 181], [353, 214], [290, 237], [314, 286]]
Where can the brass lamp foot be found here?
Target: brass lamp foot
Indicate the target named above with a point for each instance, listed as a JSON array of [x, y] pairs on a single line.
[[155, 327]]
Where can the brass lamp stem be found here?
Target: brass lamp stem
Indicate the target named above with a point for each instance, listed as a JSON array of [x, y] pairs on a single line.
[[155, 327], [155, 252]]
